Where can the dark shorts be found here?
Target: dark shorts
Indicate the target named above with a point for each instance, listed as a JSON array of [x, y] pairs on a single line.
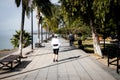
[[55, 51]]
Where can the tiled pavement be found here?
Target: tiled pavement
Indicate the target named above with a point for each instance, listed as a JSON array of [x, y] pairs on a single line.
[[74, 64]]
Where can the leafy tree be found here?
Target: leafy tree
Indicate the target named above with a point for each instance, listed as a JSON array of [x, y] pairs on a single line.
[[26, 39], [92, 12], [114, 17]]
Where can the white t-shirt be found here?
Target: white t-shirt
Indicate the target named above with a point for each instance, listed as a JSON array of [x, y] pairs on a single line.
[[55, 41]]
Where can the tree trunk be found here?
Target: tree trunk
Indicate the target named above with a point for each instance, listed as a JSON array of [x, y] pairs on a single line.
[[96, 45], [32, 29], [21, 33], [38, 17], [38, 32], [46, 32], [41, 32]]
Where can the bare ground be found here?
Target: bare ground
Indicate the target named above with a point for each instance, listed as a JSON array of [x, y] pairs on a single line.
[[6, 52]]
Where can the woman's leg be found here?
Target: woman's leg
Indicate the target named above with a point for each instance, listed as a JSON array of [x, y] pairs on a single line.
[[54, 55], [57, 50]]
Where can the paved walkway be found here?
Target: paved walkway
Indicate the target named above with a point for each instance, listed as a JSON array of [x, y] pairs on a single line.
[[74, 64]]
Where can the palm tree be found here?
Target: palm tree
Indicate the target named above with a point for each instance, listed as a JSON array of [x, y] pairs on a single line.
[[44, 7], [39, 21], [26, 38], [25, 9], [53, 22]]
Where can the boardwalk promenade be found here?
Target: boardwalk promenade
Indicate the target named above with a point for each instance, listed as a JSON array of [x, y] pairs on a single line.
[[73, 64]]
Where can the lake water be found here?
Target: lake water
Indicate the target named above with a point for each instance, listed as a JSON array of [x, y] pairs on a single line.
[[5, 40]]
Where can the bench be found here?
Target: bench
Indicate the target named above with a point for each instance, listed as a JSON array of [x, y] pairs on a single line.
[[113, 58], [10, 61], [118, 58], [38, 45]]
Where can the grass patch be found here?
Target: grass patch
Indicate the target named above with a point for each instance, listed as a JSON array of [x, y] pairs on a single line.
[[88, 47]]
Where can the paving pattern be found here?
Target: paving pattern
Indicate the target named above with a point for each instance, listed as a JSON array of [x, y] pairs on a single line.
[[73, 64]]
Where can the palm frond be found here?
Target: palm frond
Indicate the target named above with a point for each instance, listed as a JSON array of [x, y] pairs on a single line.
[[44, 6], [18, 2]]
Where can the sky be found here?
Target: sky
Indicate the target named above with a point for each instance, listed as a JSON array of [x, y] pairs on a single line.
[[10, 17]]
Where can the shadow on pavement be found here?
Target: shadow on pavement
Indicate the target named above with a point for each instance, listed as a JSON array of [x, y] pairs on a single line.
[[39, 54], [69, 58], [19, 67], [57, 63]]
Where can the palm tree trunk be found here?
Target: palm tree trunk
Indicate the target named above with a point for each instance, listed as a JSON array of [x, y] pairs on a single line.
[[38, 17], [38, 32], [96, 45], [22, 28], [32, 29], [46, 32], [41, 32]]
